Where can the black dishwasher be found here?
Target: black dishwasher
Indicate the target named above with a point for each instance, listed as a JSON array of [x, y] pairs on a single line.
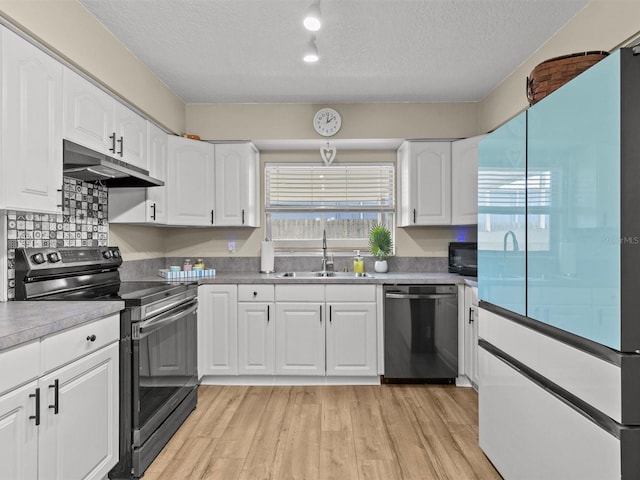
[[420, 334]]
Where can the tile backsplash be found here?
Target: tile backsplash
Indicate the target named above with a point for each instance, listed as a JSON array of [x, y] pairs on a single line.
[[82, 223]]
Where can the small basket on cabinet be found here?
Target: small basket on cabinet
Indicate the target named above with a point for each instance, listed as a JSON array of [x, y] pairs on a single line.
[[551, 74]]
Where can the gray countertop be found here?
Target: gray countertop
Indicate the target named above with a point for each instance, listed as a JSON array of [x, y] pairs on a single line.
[[21, 322], [376, 278]]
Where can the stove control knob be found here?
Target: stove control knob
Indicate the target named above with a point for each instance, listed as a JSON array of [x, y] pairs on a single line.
[[53, 257], [107, 254], [115, 253], [38, 258]]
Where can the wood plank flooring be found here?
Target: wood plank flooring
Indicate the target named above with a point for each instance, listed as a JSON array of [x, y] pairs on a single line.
[[387, 432]]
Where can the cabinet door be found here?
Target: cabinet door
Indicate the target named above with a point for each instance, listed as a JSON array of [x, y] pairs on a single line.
[[464, 181], [131, 137], [351, 339], [424, 183], [300, 339], [236, 185], [81, 440], [88, 114], [190, 182], [156, 208], [31, 127], [144, 205], [256, 338], [217, 330], [19, 434], [471, 344]]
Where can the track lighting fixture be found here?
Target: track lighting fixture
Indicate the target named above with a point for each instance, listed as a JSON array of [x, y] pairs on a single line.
[[312, 21], [311, 51]]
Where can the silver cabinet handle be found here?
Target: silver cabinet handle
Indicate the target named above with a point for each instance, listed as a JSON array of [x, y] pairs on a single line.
[[113, 142], [121, 142]]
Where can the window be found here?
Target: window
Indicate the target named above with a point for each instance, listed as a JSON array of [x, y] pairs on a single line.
[[302, 201]]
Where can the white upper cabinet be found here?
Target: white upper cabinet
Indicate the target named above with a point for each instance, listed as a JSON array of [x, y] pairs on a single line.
[[144, 205], [157, 155], [98, 121], [212, 185], [237, 185], [31, 135], [464, 181], [190, 182], [131, 136], [424, 183]]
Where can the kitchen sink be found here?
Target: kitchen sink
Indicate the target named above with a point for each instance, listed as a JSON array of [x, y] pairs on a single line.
[[321, 274]]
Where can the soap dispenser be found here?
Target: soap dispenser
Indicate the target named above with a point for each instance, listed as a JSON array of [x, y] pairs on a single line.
[[358, 263]]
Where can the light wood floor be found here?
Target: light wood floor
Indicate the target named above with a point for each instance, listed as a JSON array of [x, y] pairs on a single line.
[[383, 432]]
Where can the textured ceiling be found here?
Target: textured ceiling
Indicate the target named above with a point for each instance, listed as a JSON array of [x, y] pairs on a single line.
[[217, 51]]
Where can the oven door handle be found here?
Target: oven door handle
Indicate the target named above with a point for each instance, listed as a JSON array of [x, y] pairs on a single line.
[[143, 329]]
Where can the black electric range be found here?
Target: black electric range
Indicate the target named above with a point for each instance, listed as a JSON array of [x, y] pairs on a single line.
[[158, 340]]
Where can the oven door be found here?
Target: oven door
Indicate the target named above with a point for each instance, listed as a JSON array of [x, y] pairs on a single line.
[[164, 367]]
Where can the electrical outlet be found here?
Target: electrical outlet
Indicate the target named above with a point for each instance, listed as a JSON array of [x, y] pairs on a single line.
[[231, 246]]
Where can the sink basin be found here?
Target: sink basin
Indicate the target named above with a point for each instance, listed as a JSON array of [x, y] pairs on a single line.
[[323, 275]]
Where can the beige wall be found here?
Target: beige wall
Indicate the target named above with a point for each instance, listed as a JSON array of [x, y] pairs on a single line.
[[601, 25], [68, 29], [138, 242], [359, 120]]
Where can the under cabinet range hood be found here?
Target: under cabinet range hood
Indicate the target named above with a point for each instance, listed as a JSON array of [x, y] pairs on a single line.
[[91, 166]]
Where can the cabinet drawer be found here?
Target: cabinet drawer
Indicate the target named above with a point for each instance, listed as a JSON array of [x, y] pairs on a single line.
[[76, 342], [255, 293], [19, 365], [351, 293], [299, 293]]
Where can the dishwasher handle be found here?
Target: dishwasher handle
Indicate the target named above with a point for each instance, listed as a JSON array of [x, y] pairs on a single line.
[[418, 296]]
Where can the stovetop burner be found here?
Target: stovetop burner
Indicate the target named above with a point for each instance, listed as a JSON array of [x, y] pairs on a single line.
[[83, 273]]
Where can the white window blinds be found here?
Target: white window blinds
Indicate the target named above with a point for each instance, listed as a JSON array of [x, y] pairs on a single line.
[[362, 188]]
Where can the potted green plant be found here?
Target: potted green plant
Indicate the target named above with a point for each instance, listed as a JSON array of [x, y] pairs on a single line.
[[381, 245]]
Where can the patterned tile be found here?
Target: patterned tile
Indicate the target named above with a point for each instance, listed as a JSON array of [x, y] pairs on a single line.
[[81, 223]]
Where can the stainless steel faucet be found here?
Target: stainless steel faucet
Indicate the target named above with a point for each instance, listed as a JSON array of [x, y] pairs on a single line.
[[327, 265], [511, 234]]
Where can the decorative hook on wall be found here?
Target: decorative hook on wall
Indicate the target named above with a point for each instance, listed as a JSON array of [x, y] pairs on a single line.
[[328, 154]]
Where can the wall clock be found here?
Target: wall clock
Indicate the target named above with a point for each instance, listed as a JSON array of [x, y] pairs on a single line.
[[327, 122]]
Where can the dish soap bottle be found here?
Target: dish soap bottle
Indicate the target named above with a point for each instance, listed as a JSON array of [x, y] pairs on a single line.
[[358, 263]]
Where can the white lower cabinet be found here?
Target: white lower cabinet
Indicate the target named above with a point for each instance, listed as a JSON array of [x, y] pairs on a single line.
[[311, 330], [300, 338], [351, 330], [19, 434], [81, 439], [471, 334], [218, 330], [64, 424], [351, 339], [256, 330]]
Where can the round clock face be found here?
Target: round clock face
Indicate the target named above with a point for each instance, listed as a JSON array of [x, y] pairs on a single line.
[[327, 122]]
